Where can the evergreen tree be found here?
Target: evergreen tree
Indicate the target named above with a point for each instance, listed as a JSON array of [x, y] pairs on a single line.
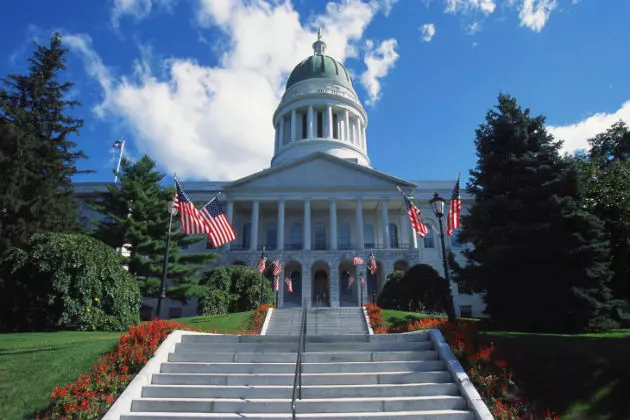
[[136, 217], [37, 156], [606, 180], [539, 256]]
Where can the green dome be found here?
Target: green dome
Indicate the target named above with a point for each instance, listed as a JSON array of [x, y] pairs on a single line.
[[319, 66]]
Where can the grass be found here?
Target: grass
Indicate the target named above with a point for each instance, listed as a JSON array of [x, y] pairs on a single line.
[[31, 364]]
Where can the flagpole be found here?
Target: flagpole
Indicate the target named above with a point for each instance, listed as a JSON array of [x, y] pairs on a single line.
[[120, 156], [162, 295], [262, 275]]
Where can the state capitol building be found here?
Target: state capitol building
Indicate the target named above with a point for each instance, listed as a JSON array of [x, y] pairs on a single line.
[[320, 202]]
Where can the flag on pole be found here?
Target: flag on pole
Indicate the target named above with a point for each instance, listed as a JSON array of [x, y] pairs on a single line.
[[350, 282], [276, 283], [117, 144], [372, 267], [277, 267], [357, 261], [289, 283], [454, 210], [262, 262], [414, 216], [362, 281], [221, 230], [189, 217]]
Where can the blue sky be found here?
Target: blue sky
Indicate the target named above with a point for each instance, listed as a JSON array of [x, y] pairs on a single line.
[[194, 83]]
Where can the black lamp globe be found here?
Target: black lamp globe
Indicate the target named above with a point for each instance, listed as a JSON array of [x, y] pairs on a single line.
[[437, 204]]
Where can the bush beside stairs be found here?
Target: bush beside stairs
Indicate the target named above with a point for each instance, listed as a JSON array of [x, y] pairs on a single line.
[[345, 376]]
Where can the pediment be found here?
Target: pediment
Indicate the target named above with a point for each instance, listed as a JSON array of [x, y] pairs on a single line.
[[319, 171]]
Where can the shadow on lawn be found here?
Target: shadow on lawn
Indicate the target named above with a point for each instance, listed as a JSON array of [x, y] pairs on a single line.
[[579, 377]]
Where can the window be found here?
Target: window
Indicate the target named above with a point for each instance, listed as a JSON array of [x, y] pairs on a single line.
[[296, 236], [247, 232], [287, 131], [174, 312], [320, 236], [304, 125], [393, 236], [428, 240], [465, 311], [344, 236], [368, 235], [335, 126], [320, 124], [272, 236]]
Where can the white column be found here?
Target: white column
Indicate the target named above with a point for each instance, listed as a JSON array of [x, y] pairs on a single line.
[[359, 228], [385, 223], [293, 126], [346, 125], [309, 123], [333, 224], [281, 132], [281, 225], [329, 122], [364, 137], [307, 224], [253, 246], [230, 216]]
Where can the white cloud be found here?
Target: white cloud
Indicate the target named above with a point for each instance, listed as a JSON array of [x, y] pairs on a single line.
[[575, 135], [139, 9], [379, 62], [534, 14], [487, 7], [387, 6], [428, 31], [215, 122]]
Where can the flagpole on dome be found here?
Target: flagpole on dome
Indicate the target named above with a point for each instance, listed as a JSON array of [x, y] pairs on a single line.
[[119, 144], [172, 210]]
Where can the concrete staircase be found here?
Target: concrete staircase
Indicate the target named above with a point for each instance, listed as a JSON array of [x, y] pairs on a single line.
[[344, 377], [320, 321]]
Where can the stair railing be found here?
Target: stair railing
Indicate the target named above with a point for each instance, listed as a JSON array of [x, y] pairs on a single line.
[[297, 379]]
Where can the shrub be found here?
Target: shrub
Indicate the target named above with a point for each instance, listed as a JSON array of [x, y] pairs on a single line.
[[230, 289], [421, 288], [70, 281]]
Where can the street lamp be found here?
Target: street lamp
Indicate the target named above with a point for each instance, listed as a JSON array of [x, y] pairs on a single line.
[[437, 205], [172, 211]]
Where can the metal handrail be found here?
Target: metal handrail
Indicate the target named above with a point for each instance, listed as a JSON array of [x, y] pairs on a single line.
[[297, 379]]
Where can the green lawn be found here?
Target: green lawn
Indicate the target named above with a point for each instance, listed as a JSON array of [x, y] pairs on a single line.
[[31, 364]]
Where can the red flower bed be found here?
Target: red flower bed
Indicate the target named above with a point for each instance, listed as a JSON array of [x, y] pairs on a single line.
[[95, 391], [487, 370], [376, 318]]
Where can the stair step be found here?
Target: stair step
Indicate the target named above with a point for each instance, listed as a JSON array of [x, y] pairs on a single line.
[[321, 391], [319, 357], [310, 347], [307, 379], [392, 415], [324, 405], [332, 367]]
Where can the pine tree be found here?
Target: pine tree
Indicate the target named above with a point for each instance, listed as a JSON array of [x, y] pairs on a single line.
[[37, 156], [538, 255], [136, 217]]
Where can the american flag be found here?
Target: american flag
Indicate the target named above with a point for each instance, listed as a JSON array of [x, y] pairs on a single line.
[[362, 281], [414, 217], [289, 283], [454, 211], [276, 283], [372, 267], [221, 230], [190, 219], [262, 262], [350, 282], [358, 261], [277, 267]]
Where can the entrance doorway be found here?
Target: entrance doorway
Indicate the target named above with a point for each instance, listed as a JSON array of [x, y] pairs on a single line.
[[293, 299], [348, 284], [321, 289]]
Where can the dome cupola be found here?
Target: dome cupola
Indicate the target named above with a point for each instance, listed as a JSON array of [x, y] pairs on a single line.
[[320, 112]]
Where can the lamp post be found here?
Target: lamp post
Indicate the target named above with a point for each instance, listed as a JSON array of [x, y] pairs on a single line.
[[172, 211], [437, 205]]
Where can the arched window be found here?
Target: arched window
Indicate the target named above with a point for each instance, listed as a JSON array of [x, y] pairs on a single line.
[[247, 235], [368, 235], [296, 236], [429, 241], [320, 235], [393, 236], [272, 236], [344, 236]]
